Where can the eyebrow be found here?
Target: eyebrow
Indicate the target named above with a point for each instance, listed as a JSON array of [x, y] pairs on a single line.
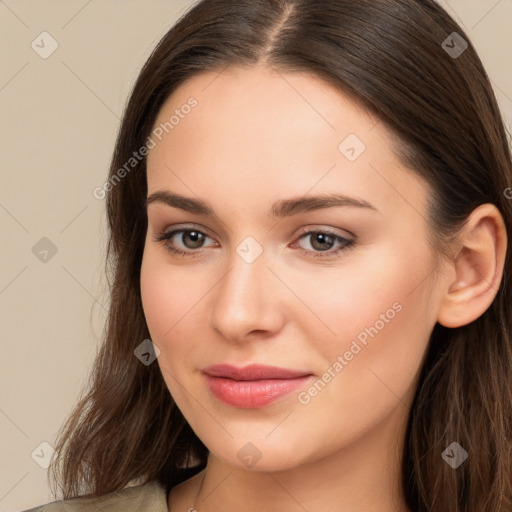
[[280, 209]]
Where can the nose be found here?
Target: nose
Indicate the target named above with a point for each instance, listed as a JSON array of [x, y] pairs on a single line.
[[246, 301]]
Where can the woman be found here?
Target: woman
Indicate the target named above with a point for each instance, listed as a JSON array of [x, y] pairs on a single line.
[[310, 280]]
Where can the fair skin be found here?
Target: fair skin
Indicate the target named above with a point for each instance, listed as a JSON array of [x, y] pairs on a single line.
[[257, 137]]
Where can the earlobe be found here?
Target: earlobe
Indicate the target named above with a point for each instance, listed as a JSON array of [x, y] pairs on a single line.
[[478, 268]]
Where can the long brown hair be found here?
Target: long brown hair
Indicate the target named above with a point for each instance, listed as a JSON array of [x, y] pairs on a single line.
[[393, 57]]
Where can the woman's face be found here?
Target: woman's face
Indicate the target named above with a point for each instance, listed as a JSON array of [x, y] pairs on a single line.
[[265, 279]]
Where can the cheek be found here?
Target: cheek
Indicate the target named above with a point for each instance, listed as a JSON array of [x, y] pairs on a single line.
[[168, 295], [371, 365], [382, 313], [375, 289], [379, 311]]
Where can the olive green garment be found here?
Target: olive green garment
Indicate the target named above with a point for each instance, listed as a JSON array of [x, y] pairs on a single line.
[[150, 497]]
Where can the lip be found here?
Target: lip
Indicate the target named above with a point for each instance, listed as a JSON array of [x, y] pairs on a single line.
[[252, 386], [253, 372]]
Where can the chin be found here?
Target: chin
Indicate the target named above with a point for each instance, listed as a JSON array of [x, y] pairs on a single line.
[[255, 453]]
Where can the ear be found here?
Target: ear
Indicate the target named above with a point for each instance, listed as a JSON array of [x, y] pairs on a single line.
[[477, 267]]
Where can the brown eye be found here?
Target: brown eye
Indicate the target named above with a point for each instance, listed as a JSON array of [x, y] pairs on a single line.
[[322, 243], [190, 239], [196, 238]]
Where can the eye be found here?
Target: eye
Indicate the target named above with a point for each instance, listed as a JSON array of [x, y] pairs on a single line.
[[193, 240], [322, 241]]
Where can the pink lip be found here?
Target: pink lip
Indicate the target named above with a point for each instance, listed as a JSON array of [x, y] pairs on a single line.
[[254, 385]]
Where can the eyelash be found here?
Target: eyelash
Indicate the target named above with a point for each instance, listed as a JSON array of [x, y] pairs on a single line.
[[346, 243]]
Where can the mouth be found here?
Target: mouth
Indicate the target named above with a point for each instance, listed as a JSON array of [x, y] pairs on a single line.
[[252, 386]]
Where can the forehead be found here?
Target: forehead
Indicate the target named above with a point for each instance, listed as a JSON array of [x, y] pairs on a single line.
[[258, 135]]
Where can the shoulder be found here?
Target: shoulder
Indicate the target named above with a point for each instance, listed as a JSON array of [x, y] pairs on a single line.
[[150, 497]]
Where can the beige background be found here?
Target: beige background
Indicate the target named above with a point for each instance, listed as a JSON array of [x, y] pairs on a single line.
[[59, 119]]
